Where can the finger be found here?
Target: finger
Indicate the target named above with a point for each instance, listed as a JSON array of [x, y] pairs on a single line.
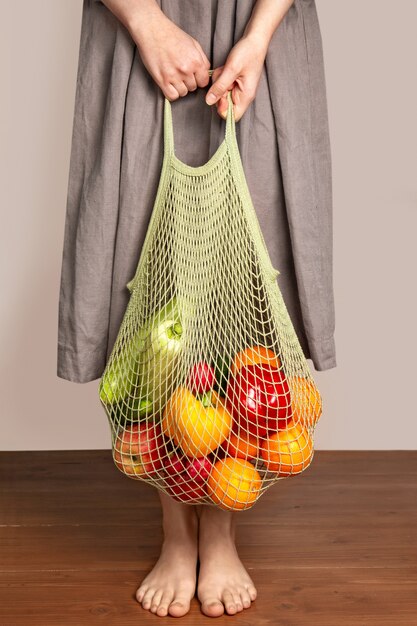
[[222, 105], [170, 92], [205, 60], [190, 82], [221, 85], [243, 99], [181, 88], [202, 76], [201, 73], [216, 73], [240, 104]]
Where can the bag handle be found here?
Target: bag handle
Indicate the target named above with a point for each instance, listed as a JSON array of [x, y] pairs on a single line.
[[168, 126]]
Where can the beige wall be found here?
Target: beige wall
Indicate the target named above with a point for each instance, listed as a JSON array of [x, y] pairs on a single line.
[[370, 50]]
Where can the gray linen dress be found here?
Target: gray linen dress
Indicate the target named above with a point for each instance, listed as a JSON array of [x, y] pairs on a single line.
[[116, 158]]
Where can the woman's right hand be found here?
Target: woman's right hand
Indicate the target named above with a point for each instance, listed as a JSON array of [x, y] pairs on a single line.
[[174, 59]]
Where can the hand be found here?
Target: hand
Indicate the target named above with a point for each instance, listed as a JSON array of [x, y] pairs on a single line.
[[174, 59], [240, 75]]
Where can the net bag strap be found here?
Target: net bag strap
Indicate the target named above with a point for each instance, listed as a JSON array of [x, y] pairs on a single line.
[[168, 125]]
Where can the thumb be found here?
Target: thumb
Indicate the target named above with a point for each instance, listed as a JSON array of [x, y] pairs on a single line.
[[220, 85]]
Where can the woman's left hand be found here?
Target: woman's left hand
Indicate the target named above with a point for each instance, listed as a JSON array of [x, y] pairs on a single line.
[[240, 75]]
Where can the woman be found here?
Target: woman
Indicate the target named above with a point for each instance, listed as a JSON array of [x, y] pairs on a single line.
[[132, 54]]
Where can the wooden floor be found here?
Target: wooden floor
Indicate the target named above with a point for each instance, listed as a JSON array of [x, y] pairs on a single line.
[[335, 546]]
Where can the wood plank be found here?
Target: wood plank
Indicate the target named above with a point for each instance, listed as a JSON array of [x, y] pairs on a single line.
[[290, 597], [125, 546], [60, 491], [335, 545]]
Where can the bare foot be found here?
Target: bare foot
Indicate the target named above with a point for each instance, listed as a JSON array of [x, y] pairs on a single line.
[[223, 582], [171, 584]]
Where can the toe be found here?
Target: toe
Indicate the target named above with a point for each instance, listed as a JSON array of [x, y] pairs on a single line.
[[212, 607], [237, 600], [156, 600], [252, 592], [179, 607], [245, 597], [229, 602], [141, 592], [147, 598], [164, 603]]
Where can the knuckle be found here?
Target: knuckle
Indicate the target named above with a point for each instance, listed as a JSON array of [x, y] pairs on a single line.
[[168, 76], [184, 67]]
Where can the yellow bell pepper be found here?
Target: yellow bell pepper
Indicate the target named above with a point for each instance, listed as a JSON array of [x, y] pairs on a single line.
[[197, 426]]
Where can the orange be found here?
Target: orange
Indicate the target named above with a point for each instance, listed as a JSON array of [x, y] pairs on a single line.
[[288, 451], [253, 356], [197, 428], [234, 484], [306, 400], [242, 445]]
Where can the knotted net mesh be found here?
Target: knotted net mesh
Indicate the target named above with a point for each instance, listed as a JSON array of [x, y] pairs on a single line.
[[207, 391]]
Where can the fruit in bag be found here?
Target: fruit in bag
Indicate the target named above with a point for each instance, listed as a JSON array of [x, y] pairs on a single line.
[[137, 449], [289, 451], [201, 378], [207, 351], [241, 444], [306, 400], [253, 356], [184, 489], [234, 484]]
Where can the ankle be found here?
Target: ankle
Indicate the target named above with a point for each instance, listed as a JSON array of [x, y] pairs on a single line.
[[218, 523], [180, 528]]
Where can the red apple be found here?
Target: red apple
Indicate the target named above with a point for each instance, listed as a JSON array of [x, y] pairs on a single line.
[[198, 469], [173, 463], [137, 449], [184, 489], [201, 378]]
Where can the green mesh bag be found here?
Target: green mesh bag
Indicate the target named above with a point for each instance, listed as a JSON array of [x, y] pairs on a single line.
[[207, 390]]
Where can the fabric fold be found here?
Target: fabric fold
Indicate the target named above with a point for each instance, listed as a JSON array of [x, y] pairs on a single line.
[[116, 159]]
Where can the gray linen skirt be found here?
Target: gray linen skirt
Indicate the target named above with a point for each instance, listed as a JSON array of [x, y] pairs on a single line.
[[116, 158]]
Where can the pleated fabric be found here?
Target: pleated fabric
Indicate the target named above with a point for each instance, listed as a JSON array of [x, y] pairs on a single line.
[[116, 158]]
